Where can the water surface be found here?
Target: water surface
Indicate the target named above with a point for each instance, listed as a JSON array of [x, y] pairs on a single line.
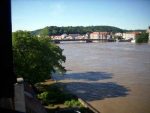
[[112, 77]]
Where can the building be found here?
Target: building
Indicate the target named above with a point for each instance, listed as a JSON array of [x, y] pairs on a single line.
[[104, 35], [100, 35], [119, 34], [64, 36], [130, 35], [74, 36], [68, 37], [87, 36], [56, 37], [80, 37], [148, 31], [94, 35]]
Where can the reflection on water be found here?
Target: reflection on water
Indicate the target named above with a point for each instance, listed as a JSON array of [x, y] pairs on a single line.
[[112, 77]]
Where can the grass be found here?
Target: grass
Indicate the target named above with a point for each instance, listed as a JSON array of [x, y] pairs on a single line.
[[53, 96]]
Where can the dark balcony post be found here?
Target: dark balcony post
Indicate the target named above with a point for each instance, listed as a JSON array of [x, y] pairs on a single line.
[[8, 78]]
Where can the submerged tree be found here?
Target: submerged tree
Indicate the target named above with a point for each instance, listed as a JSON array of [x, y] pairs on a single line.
[[35, 58]]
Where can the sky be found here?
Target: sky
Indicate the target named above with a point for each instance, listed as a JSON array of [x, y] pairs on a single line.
[[36, 14]]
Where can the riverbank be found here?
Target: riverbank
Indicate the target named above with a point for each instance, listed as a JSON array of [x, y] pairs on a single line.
[[58, 99]]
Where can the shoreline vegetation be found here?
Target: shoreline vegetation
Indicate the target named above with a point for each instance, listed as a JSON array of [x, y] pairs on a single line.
[[35, 58], [55, 98], [142, 38]]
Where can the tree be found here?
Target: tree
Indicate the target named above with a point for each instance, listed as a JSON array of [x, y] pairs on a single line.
[[45, 32], [142, 38], [54, 30], [35, 58]]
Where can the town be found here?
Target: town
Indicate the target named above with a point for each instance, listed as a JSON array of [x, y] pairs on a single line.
[[98, 36]]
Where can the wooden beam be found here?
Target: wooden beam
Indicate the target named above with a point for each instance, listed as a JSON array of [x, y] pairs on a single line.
[[8, 78]]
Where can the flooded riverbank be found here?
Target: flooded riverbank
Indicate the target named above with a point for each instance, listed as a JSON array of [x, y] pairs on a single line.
[[112, 77]]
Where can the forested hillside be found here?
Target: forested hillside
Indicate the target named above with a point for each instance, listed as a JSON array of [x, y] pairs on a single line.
[[54, 30]]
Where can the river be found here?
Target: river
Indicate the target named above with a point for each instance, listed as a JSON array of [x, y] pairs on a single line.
[[112, 77]]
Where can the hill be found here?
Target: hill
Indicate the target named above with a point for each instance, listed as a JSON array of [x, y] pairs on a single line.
[[54, 30]]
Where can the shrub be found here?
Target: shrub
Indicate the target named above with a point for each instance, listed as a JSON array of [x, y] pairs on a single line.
[[142, 38], [44, 97], [73, 103], [53, 96]]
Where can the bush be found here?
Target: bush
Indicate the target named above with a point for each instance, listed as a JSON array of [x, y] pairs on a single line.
[[53, 97], [142, 38], [73, 103], [44, 97]]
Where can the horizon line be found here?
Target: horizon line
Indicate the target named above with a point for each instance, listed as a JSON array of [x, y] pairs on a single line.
[[79, 26]]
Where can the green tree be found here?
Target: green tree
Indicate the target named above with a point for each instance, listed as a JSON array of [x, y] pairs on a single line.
[[142, 38], [45, 32], [54, 30], [35, 58]]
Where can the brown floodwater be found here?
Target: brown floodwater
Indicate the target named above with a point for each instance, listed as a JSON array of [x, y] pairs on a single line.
[[112, 77]]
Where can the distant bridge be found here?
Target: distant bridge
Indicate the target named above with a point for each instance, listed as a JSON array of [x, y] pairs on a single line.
[[86, 40]]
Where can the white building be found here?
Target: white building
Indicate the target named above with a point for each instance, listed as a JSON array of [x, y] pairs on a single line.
[[56, 37], [148, 31], [68, 37], [130, 35], [79, 37], [94, 35], [74, 35], [118, 34], [86, 36], [64, 36]]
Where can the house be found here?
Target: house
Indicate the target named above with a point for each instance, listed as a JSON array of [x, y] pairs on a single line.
[[56, 37], [130, 35], [104, 35], [87, 36], [79, 37], [68, 37], [74, 35], [119, 34], [94, 35], [100, 35], [64, 36]]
